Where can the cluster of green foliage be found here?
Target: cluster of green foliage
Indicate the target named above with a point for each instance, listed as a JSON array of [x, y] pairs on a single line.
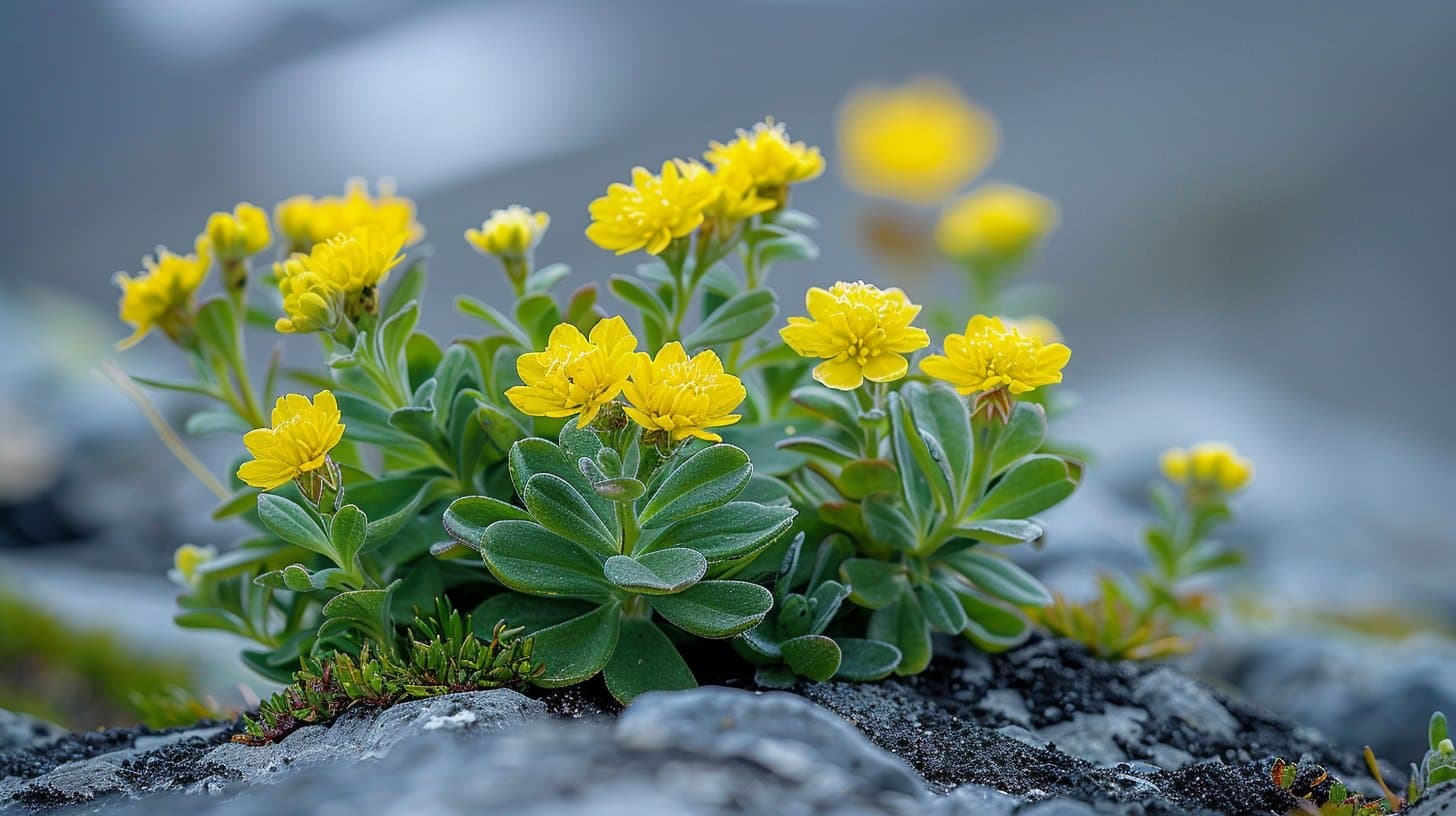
[[443, 655], [1318, 792], [83, 678]]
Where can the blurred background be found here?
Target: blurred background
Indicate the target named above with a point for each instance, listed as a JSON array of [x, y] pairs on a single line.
[[1255, 243]]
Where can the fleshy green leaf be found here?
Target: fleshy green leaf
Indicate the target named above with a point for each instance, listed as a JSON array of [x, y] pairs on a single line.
[[527, 611], [834, 406], [903, 625], [998, 577], [1023, 436], [645, 660], [1033, 485], [941, 607], [873, 584], [864, 660], [728, 533], [888, 525], [941, 411], [347, 533], [715, 609], [292, 523], [813, 656], [709, 478], [466, 518], [657, 573], [535, 455], [528, 558], [470, 306], [215, 423], [990, 625], [1001, 531], [862, 477], [740, 316], [577, 649], [556, 505], [923, 462]]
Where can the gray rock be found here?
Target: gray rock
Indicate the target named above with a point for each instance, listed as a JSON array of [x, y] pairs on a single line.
[[1059, 807], [1101, 739], [1167, 694], [1440, 801], [976, 800], [1006, 704], [24, 731]]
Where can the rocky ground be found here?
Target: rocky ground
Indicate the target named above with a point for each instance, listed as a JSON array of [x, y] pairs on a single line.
[[1043, 730]]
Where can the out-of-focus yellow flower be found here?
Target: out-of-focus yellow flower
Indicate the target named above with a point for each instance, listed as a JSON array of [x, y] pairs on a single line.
[[1207, 465], [187, 559], [509, 233], [306, 220], [737, 198], [768, 157], [681, 396], [343, 272], [1037, 328], [994, 221], [163, 295], [575, 374], [651, 211], [299, 441], [240, 234], [917, 143], [991, 356], [862, 333]]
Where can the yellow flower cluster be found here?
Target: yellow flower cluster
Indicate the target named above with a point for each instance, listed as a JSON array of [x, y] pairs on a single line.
[[509, 233], [306, 220], [339, 278], [671, 394], [917, 143], [163, 296], [1207, 465], [994, 221], [240, 234], [749, 175], [991, 356], [861, 331], [299, 441]]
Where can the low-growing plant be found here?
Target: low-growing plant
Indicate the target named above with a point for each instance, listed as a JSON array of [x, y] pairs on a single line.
[[443, 655], [1315, 791], [1438, 766], [1141, 619]]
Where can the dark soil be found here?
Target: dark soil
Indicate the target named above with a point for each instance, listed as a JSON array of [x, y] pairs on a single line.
[[30, 762]]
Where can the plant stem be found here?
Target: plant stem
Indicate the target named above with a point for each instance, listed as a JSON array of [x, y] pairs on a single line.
[[112, 372]]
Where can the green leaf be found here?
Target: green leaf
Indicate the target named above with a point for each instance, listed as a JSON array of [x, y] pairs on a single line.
[[657, 573], [367, 421], [622, 489], [834, 406], [903, 625], [297, 578], [922, 465], [787, 247], [727, 533], [635, 293], [873, 584], [215, 423], [392, 503], [943, 413], [242, 501], [822, 449], [813, 656], [989, 625], [941, 607], [293, 524], [645, 660], [558, 507], [862, 477], [366, 609], [418, 422], [407, 289], [527, 611], [709, 478], [1001, 531], [538, 315], [528, 558], [1023, 436], [217, 326], [474, 308], [535, 455], [1033, 485], [546, 277], [998, 577], [347, 534], [825, 601], [393, 335], [467, 518], [741, 316], [715, 609], [888, 525], [577, 649], [865, 660]]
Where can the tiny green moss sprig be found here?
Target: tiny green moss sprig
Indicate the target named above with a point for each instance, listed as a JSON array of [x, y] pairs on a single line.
[[444, 655]]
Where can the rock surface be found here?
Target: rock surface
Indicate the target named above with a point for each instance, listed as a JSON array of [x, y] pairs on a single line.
[[24, 731], [1042, 730]]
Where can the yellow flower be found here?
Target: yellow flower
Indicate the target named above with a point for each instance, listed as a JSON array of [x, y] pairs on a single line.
[[242, 233], [187, 559], [767, 156], [682, 396], [861, 331], [342, 274], [737, 198], [991, 356], [918, 143], [575, 374], [509, 233], [651, 211], [1209, 465], [310, 302], [1037, 328], [994, 221], [306, 220], [299, 442], [163, 295]]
